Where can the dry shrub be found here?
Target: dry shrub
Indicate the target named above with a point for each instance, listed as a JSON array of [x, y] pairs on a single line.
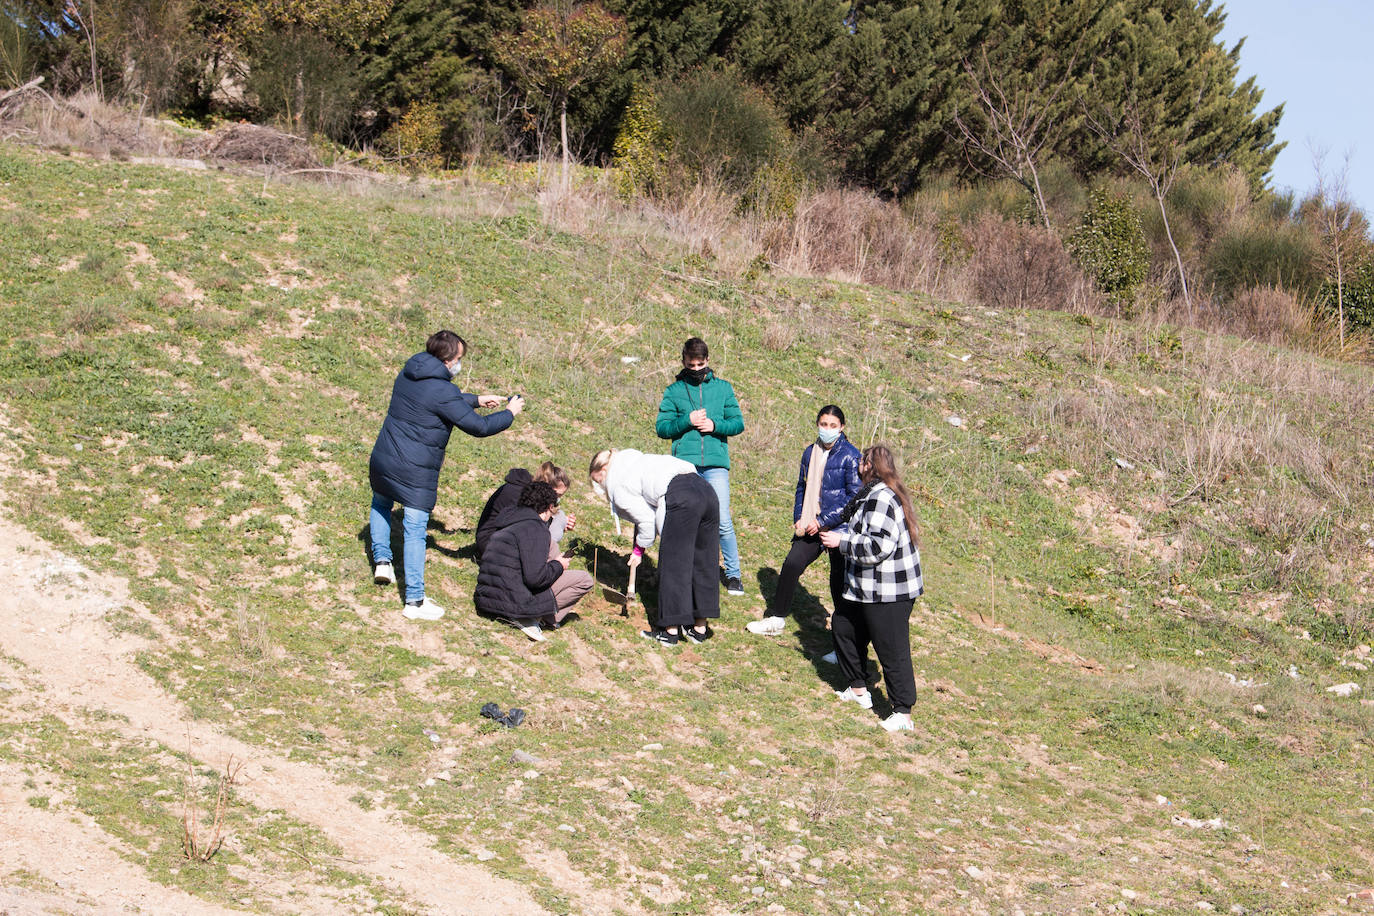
[[852, 235], [195, 845], [1298, 524], [779, 336], [702, 218], [581, 208], [255, 145], [1020, 266], [86, 123], [1264, 313]]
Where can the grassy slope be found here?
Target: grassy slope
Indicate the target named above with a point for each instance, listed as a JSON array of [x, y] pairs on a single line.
[[194, 368]]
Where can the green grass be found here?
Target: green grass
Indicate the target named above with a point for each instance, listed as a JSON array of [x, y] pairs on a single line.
[[200, 422]]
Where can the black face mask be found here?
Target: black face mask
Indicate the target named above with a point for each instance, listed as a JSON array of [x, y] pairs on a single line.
[[695, 376]]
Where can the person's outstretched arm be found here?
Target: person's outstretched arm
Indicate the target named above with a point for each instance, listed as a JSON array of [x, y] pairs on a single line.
[[458, 411]]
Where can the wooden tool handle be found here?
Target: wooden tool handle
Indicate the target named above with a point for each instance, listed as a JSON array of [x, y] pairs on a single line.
[[630, 591]]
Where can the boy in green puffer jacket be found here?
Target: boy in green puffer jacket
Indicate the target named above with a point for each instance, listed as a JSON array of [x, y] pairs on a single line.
[[699, 413]]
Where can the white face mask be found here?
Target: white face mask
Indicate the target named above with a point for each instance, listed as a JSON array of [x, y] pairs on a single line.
[[599, 488], [456, 367], [827, 436]]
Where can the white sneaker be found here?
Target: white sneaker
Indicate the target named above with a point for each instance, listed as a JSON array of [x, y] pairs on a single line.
[[384, 574], [425, 610], [533, 632], [897, 722], [830, 658], [865, 700], [768, 626]]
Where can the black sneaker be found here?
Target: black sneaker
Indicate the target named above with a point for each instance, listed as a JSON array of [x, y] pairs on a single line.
[[698, 638], [660, 635], [733, 586]]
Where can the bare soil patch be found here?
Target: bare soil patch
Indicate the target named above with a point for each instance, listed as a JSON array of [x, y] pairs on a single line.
[[52, 625]]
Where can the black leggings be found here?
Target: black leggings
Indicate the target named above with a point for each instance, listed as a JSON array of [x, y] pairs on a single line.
[[806, 550], [886, 625], [688, 553]]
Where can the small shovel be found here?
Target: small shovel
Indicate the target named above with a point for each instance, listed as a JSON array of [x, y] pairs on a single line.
[[624, 600]]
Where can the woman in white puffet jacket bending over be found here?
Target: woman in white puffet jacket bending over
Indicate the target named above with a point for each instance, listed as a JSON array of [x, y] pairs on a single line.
[[665, 498]]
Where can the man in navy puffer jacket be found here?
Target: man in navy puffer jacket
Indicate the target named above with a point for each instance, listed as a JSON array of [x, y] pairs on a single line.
[[425, 406]]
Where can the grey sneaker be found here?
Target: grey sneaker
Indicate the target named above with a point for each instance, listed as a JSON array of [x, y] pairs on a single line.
[[384, 574]]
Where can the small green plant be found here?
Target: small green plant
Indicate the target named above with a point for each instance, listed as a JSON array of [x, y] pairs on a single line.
[[1357, 296], [955, 248], [416, 140], [1110, 246], [641, 147]]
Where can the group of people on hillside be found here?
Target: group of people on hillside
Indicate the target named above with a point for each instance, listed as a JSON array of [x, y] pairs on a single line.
[[850, 505]]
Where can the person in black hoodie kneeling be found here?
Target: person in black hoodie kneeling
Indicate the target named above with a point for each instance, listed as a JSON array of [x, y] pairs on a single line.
[[516, 580], [508, 494]]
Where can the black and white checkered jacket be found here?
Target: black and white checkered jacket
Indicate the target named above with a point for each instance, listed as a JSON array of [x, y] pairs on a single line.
[[882, 562]]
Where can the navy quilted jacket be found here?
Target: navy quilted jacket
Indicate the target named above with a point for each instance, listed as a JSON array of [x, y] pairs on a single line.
[[839, 484], [425, 406]]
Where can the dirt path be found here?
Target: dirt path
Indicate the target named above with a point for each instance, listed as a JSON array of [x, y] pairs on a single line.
[[52, 622]]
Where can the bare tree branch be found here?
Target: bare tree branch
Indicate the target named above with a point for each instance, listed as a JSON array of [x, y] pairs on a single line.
[[1157, 161], [1016, 123]]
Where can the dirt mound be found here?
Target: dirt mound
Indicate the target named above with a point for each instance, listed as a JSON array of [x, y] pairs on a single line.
[[256, 145]]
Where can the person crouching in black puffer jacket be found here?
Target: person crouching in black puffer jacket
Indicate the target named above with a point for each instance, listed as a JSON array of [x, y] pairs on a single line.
[[517, 580]]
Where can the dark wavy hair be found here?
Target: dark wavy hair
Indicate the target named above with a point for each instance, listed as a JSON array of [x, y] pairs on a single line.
[[538, 496]]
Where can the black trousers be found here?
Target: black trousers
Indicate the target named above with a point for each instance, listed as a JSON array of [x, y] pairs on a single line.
[[804, 551], [885, 625], [688, 553]]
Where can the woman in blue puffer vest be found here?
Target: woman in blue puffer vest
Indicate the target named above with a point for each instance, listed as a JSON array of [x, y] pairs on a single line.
[[828, 480]]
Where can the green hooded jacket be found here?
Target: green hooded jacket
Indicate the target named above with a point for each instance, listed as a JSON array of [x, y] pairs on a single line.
[[709, 450]]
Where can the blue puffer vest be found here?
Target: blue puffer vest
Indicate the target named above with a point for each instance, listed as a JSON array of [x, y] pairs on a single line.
[[839, 483]]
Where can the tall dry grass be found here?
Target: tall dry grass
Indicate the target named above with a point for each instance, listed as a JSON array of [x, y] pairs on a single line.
[[85, 122]]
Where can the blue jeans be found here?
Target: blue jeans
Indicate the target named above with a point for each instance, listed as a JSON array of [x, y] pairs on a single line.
[[719, 479], [413, 528]]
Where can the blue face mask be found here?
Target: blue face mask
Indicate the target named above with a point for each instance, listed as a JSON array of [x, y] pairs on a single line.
[[827, 436], [457, 367]]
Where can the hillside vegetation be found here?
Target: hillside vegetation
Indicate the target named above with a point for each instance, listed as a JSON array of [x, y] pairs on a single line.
[[1148, 555]]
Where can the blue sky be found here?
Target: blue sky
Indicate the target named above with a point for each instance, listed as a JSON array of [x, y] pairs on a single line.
[[1317, 57]]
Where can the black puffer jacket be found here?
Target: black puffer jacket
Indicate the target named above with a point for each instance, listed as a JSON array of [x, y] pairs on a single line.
[[506, 495], [516, 572]]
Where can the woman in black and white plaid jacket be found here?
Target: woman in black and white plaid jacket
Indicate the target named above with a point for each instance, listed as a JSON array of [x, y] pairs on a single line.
[[882, 582]]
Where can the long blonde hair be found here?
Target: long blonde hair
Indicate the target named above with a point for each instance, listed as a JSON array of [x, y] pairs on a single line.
[[882, 467], [599, 461]]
